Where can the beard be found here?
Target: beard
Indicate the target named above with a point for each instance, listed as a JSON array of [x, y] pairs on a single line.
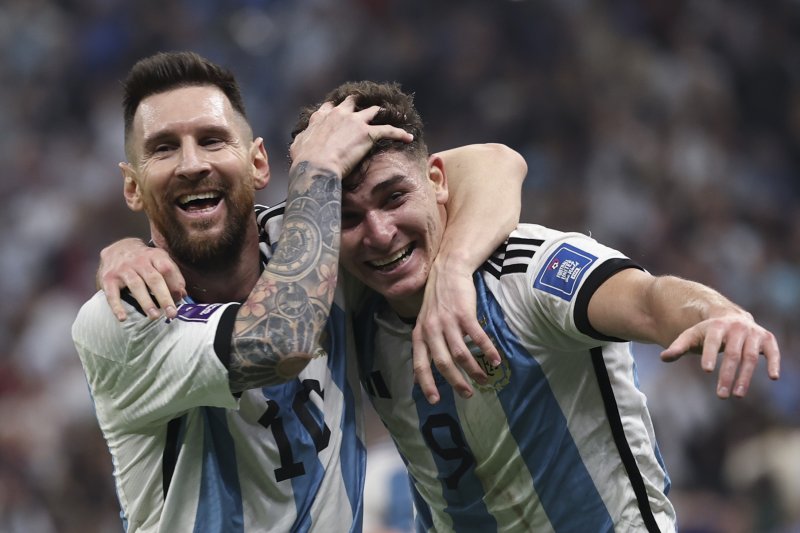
[[197, 249]]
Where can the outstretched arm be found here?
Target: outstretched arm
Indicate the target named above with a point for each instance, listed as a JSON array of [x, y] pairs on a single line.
[[484, 182], [685, 316]]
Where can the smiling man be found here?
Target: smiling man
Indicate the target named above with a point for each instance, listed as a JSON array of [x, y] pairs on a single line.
[[235, 410], [560, 438], [196, 410]]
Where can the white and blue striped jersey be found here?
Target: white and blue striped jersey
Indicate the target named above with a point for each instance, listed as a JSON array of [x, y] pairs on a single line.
[[560, 439], [189, 455]]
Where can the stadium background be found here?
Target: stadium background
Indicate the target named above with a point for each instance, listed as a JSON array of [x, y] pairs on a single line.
[[667, 128]]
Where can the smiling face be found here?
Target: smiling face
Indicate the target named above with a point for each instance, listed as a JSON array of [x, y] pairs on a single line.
[[392, 226], [194, 170]]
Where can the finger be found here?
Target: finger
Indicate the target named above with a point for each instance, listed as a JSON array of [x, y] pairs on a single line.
[[482, 340], [466, 359], [712, 345], [160, 290], [422, 371], [439, 354], [140, 293], [747, 367], [773, 355], [679, 347], [732, 357], [443, 360], [386, 131], [112, 295], [168, 286]]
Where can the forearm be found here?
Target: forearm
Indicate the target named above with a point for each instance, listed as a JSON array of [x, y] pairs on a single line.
[[484, 182], [675, 304], [278, 328]]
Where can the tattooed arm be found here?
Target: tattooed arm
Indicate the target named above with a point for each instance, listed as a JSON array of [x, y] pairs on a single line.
[[278, 327]]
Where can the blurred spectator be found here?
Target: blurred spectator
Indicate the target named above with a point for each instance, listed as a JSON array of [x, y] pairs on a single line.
[[644, 123]]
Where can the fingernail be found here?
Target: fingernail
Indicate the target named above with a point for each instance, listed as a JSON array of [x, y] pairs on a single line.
[[465, 394], [723, 391], [433, 399], [153, 313], [171, 311], [739, 390]]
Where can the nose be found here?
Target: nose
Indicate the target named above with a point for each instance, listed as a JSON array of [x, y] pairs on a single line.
[[191, 165], [380, 230]]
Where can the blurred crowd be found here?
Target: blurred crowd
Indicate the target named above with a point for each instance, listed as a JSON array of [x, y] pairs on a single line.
[[669, 129]]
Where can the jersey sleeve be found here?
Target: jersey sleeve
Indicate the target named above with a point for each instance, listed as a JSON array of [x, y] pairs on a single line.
[[142, 372], [560, 280]]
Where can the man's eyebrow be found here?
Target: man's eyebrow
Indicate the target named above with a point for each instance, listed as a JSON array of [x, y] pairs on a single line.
[[166, 135], [389, 183], [157, 138]]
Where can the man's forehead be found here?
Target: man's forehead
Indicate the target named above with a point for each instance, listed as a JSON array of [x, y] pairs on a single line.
[[183, 105]]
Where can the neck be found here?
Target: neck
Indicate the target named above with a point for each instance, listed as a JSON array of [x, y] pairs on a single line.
[[229, 283], [232, 284], [407, 308]]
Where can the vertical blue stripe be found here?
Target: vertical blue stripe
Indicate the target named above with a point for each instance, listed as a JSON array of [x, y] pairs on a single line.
[[461, 488], [304, 487], [565, 488], [219, 508], [353, 454]]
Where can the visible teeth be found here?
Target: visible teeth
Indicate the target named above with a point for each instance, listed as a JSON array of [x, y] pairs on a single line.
[[200, 196], [185, 199], [378, 263]]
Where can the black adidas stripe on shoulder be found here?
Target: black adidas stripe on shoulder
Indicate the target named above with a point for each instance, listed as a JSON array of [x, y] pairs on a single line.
[[512, 257]]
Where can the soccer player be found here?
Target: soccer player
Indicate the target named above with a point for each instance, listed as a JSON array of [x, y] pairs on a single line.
[[560, 439], [237, 412]]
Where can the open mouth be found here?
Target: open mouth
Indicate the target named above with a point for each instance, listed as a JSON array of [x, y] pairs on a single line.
[[194, 203], [388, 263]]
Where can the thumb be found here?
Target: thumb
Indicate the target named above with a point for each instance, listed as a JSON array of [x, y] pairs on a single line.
[[679, 347]]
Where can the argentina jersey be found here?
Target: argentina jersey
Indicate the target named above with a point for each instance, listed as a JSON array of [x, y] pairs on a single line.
[[560, 438], [190, 456]]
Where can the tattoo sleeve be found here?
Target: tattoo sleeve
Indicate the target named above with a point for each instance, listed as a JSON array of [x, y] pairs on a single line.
[[277, 329]]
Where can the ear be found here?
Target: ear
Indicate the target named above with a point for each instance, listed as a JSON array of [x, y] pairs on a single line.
[[130, 187], [260, 164], [438, 177]]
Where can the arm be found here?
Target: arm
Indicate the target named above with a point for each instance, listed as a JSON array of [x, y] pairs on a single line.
[[685, 317], [480, 178], [131, 263], [278, 327]]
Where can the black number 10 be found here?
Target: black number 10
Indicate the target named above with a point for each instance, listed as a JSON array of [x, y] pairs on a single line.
[[320, 435]]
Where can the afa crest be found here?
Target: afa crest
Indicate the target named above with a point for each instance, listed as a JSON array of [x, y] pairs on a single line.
[[499, 376]]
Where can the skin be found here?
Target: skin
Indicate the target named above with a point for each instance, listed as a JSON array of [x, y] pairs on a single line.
[[392, 227], [447, 313], [398, 210], [188, 145]]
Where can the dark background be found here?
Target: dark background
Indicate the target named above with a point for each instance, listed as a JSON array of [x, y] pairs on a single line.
[[669, 129]]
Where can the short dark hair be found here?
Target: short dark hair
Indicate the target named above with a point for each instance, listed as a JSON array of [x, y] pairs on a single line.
[[397, 109], [164, 71]]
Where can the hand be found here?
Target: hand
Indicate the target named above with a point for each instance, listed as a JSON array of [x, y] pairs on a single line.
[[448, 313], [739, 339], [341, 136], [143, 270]]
